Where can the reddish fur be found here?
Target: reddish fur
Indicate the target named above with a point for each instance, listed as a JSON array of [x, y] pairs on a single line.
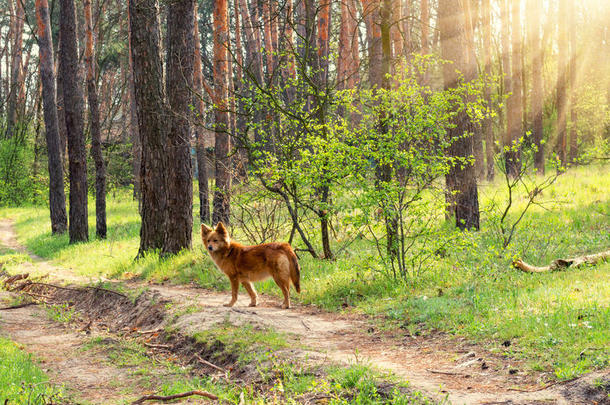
[[247, 264]]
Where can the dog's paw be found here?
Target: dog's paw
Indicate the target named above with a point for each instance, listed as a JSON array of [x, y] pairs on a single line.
[[229, 305], [253, 304], [286, 306]]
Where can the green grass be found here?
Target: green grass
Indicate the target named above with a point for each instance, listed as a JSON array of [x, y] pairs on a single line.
[[21, 381], [558, 321]]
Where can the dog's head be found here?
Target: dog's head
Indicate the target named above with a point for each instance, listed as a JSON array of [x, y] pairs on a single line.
[[215, 240]]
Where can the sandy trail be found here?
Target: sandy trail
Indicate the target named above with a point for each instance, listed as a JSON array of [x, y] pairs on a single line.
[[86, 376], [438, 365]]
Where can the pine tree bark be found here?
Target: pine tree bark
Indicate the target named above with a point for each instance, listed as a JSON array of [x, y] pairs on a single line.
[[202, 171], [222, 200], [16, 68], [477, 135], [515, 101], [73, 105], [152, 118], [573, 68], [562, 81], [57, 198], [488, 122], [462, 196], [94, 122], [534, 25], [179, 82], [134, 132]]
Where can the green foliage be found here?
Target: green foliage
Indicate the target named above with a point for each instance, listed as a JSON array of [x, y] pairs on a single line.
[[21, 381], [19, 183]]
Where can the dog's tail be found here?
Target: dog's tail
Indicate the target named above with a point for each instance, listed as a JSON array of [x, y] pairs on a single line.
[[295, 270]]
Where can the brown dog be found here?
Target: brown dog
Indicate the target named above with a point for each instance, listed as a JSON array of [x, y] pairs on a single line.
[[246, 264]]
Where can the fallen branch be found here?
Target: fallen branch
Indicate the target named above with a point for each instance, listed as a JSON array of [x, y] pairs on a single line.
[[175, 396], [207, 363], [16, 277], [447, 373], [561, 264], [154, 346], [27, 304]]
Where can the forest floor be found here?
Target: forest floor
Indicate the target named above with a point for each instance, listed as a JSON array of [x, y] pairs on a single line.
[[78, 349]]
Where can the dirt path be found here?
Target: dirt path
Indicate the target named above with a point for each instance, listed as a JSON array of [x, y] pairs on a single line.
[[86, 376], [438, 365]]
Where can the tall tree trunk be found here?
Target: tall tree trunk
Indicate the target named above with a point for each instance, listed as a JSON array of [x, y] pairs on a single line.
[[534, 24], [395, 34], [477, 136], [16, 78], [370, 10], [425, 33], [202, 171], [222, 143], [61, 111], [241, 163], [488, 121], [179, 82], [461, 181], [94, 122], [73, 105], [148, 80], [134, 132], [321, 65], [57, 198], [573, 68], [515, 101], [562, 80]]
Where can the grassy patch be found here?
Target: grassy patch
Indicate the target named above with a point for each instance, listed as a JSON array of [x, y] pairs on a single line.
[[558, 320], [21, 381]]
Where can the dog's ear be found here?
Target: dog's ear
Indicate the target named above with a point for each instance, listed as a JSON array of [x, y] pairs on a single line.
[[220, 228], [205, 230]]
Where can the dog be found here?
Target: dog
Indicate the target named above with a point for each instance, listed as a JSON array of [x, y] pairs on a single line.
[[247, 264]]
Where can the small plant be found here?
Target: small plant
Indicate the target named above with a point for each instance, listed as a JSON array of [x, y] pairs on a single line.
[[61, 312], [524, 185]]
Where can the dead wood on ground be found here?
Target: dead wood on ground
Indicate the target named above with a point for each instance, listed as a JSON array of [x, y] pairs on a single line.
[[175, 396], [560, 264]]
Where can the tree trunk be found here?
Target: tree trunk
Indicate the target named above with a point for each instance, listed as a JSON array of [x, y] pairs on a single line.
[[94, 122], [57, 198], [179, 82], [515, 101], [573, 68], [16, 78], [73, 105], [535, 14], [370, 10], [488, 121], [61, 112], [477, 135], [134, 132], [148, 80], [562, 80], [202, 172], [462, 195], [505, 67], [222, 146]]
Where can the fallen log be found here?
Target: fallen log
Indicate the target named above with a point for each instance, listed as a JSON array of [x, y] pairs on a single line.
[[560, 264], [175, 396]]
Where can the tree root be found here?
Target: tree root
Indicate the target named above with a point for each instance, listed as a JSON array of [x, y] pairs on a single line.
[[560, 264], [176, 396]]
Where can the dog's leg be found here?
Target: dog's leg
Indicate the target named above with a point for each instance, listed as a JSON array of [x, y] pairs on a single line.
[[234, 290], [250, 288], [285, 287]]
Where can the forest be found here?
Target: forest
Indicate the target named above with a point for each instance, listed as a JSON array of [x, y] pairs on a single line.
[[439, 167]]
